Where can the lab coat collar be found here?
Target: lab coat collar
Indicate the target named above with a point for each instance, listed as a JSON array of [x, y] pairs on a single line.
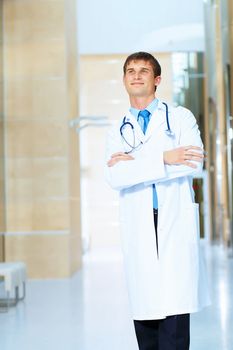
[[157, 118]]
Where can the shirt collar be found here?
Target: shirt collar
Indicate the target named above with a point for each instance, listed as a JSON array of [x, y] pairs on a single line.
[[151, 108]]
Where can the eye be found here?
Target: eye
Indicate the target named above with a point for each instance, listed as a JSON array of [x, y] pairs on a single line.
[[130, 71], [145, 70]]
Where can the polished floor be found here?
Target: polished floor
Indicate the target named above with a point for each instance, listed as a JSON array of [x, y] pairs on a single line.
[[90, 311]]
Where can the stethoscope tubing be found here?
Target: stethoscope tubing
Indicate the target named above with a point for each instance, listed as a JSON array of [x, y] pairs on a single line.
[[168, 131], [124, 123]]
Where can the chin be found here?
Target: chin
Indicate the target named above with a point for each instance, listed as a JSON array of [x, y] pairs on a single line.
[[136, 92]]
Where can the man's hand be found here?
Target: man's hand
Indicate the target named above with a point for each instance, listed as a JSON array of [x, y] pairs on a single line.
[[183, 155], [117, 157]]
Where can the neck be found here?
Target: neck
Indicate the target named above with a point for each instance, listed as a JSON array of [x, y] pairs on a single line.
[[141, 102]]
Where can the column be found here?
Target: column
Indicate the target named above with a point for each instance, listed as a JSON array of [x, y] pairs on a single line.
[[2, 181], [221, 60], [42, 167], [216, 126], [230, 141]]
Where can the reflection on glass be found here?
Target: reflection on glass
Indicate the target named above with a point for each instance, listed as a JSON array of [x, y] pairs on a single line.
[[188, 82]]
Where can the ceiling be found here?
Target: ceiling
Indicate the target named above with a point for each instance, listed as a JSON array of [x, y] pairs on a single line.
[[123, 26]]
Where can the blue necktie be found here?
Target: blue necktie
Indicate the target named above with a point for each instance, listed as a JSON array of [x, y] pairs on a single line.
[[145, 114]]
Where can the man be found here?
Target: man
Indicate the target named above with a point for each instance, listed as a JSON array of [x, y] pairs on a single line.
[[151, 157]]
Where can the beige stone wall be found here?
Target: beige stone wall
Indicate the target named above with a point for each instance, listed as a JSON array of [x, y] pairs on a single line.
[[2, 201], [103, 94], [230, 9], [42, 168]]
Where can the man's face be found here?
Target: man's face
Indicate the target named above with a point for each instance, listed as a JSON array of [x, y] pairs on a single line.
[[139, 79]]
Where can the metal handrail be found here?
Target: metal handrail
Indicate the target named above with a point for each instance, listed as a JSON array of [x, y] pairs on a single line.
[[96, 121]]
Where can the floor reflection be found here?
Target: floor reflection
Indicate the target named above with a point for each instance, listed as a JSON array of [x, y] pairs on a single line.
[[90, 311]]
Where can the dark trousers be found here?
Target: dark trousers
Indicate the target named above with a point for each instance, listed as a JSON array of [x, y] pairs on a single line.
[[171, 333]]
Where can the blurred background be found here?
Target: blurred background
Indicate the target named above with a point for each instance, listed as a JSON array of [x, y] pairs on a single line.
[[60, 90]]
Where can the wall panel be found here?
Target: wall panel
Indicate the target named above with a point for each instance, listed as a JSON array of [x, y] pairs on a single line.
[[41, 95]]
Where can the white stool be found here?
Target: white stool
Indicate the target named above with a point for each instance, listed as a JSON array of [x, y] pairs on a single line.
[[14, 275]]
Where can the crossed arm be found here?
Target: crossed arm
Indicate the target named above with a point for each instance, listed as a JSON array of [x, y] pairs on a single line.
[[177, 156], [161, 165]]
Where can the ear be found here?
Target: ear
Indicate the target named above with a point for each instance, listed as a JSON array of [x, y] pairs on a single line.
[[158, 80]]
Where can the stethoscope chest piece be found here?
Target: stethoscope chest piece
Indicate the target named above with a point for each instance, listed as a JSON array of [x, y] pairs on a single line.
[[169, 133]]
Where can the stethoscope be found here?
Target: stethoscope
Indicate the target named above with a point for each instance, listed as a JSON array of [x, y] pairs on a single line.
[[133, 146]]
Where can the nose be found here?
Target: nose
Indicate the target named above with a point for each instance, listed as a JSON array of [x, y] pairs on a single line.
[[137, 76]]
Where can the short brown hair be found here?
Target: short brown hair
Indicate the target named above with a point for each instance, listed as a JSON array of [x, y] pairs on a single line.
[[144, 56]]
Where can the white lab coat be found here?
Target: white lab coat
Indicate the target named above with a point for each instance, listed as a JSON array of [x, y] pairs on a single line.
[[174, 283]]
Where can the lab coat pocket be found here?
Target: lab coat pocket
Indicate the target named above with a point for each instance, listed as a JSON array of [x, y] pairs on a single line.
[[191, 222]]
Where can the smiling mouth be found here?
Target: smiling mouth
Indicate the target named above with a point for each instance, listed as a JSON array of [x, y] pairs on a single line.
[[137, 83]]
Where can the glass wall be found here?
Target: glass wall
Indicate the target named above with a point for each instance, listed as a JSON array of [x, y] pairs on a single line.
[[188, 84], [2, 211]]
